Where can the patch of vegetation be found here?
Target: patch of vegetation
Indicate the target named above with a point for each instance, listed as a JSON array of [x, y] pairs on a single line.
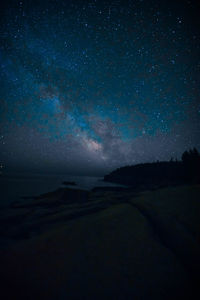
[[158, 173]]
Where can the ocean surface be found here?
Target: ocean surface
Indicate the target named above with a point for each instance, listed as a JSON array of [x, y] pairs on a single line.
[[14, 186]]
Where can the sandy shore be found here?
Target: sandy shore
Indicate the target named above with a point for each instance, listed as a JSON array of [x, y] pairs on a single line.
[[102, 244]]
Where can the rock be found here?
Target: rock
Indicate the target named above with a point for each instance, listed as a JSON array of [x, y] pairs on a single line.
[[69, 183]]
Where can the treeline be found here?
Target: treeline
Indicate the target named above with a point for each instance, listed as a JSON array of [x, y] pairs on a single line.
[[160, 173]]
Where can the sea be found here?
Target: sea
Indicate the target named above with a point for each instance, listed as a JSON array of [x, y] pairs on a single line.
[[15, 186]]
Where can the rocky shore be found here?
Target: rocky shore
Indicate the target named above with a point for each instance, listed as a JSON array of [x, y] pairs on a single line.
[[107, 243]]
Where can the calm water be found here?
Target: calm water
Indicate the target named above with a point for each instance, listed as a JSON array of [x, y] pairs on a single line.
[[15, 186]]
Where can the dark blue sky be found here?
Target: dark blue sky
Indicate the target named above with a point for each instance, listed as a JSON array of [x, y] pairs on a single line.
[[87, 86]]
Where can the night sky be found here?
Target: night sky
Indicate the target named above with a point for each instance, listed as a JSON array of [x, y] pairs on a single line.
[[88, 86]]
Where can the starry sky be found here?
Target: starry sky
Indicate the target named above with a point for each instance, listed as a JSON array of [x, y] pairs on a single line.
[[88, 86]]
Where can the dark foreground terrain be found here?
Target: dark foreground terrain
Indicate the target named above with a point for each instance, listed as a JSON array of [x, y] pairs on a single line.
[[102, 244]]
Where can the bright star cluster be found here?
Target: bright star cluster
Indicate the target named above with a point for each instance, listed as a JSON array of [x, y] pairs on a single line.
[[88, 86]]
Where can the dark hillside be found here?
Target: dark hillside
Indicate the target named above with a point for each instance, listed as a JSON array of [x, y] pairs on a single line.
[[159, 173]]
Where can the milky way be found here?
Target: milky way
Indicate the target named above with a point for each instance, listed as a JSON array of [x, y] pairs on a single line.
[[88, 86]]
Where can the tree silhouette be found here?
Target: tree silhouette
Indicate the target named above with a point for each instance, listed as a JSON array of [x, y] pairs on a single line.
[[191, 162], [160, 172], [191, 156]]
